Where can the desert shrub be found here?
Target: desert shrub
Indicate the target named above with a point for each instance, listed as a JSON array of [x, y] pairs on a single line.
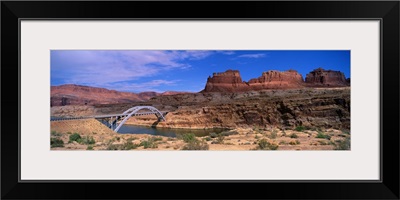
[[54, 133], [273, 135], [149, 143], [90, 147], [157, 139], [188, 137], [296, 142], [129, 145], [118, 139], [220, 139], [207, 138], [213, 135], [283, 133], [293, 135], [131, 139], [300, 128], [114, 147], [323, 136], [343, 144], [263, 144], [273, 146], [282, 142], [125, 146], [87, 140], [322, 143], [55, 142], [75, 137], [196, 145], [228, 133]]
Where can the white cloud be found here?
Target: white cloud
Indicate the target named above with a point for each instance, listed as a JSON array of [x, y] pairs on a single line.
[[227, 52], [95, 67], [256, 55]]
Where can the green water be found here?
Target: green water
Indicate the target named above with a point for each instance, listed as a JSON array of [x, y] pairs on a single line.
[[133, 129]]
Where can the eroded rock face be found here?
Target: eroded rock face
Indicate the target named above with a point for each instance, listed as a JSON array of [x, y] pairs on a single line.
[[321, 77], [277, 80], [231, 81], [309, 107], [228, 81]]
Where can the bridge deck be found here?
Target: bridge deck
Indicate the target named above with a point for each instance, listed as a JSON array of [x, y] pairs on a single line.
[[103, 116]]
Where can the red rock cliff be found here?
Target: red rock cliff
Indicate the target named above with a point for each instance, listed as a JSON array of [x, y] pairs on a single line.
[[330, 78], [230, 81], [277, 80]]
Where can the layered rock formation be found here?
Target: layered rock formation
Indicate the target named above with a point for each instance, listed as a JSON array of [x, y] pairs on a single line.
[[309, 107], [277, 80], [231, 81], [71, 94], [228, 81], [321, 77]]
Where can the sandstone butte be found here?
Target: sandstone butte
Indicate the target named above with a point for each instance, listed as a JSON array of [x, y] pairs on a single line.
[[231, 81]]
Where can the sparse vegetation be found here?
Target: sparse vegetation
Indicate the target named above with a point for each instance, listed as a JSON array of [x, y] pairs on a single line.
[[220, 139], [75, 137], [87, 140], [273, 134], [213, 135], [157, 139], [322, 143], [131, 139], [55, 134], [129, 145], [207, 138], [323, 136], [300, 128], [283, 133], [90, 147], [55, 142], [343, 144], [125, 146], [294, 135], [187, 137], [264, 144], [196, 145], [149, 143], [296, 142]]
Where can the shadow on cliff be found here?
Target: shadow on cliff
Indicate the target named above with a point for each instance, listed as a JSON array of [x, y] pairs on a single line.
[[154, 125]]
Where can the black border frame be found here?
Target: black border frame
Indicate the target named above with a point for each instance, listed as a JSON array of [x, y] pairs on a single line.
[[386, 11]]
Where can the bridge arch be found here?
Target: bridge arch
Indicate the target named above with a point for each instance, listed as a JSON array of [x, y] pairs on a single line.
[[131, 111]]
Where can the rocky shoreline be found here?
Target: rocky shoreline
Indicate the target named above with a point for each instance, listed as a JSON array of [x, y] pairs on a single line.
[[95, 136]]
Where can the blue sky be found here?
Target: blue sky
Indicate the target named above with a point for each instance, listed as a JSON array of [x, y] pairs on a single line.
[[151, 70]]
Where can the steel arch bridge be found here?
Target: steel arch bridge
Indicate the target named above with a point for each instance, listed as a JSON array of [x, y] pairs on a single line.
[[133, 112], [112, 120]]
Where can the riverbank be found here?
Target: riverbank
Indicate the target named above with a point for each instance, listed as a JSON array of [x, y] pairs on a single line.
[[95, 136]]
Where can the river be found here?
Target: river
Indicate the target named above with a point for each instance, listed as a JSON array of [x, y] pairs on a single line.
[[168, 132]]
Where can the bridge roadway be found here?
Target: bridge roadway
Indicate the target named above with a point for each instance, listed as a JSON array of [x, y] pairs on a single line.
[[103, 116]]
